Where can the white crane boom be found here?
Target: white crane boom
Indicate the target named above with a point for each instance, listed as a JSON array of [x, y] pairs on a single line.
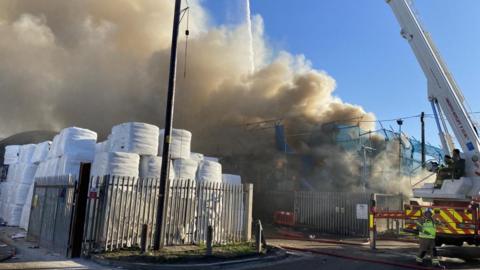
[[446, 98]]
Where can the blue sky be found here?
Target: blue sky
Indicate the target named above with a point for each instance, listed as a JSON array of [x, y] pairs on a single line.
[[358, 43]]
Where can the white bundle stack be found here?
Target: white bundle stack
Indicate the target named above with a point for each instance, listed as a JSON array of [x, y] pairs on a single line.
[[41, 152], [66, 165], [231, 179], [8, 189], [24, 192], [185, 169], [54, 147], [214, 159], [77, 143], [196, 156], [69, 148], [116, 163], [19, 180], [180, 143], [151, 167], [102, 147], [135, 137], [209, 171], [26, 153], [12, 154]]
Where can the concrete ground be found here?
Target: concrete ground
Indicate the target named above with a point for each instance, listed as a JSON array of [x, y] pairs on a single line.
[[28, 256], [305, 255], [389, 255]]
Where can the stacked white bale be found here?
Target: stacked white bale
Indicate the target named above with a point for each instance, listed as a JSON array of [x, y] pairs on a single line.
[[21, 180], [69, 148], [26, 153], [231, 179], [180, 143], [151, 167], [102, 147], [54, 147], [135, 137], [210, 172], [11, 157], [8, 188], [185, 169], [214, 159], [196, 156], [39, 156], [41, 152], [116, 163], [12, 154], [78, 143]]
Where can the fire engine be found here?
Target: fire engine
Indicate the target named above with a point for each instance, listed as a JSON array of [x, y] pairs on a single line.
[[455, 202]]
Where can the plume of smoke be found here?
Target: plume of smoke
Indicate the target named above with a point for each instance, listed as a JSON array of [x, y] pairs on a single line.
[[97, 63]]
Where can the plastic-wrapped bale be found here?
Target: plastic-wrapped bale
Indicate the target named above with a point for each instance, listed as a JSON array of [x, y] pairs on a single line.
[[25, 217], [41, 169], [26, 153], [231, 179], [214, 159], [47, 168], [55, 147], [116, 163], [20, 192], [25, 173], [209, 171], [151, 167], [134, 137], [41, 152], [196, 156], [4, 199], [78, 143], [12, 154], [180, 143], [65, 165], [102, 147], [14, 214], [185, 169]]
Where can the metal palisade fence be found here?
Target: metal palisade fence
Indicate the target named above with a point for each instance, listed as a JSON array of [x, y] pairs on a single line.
[[339, 213], [118, 207]]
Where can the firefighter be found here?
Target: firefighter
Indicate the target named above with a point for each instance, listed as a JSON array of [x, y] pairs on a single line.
[[427, 228], [454, 169], [459, 164]]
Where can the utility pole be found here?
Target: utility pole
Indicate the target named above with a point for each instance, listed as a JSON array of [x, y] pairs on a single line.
[[422, 120], [168, 128]]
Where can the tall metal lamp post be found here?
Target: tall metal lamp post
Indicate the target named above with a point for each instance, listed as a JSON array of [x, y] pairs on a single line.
[[400, 123]]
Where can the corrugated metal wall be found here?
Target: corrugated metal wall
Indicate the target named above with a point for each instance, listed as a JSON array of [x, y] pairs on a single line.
[[338, 213]]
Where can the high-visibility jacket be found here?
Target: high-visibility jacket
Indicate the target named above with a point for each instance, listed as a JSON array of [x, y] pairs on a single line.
[[427, 230]]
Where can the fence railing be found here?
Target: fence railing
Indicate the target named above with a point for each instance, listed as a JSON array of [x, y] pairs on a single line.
[[118, 207], [340, 213], [51, 213]]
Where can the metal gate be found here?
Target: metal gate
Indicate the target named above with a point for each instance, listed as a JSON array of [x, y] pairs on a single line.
[[339, 213], [51, 214]]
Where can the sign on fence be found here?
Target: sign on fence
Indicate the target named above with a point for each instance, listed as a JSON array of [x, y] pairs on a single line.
[[362, 211]]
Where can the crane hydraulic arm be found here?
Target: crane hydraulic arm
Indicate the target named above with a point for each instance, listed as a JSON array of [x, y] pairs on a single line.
[[443, 91]]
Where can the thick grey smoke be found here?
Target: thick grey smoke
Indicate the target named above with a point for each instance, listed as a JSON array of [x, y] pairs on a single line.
[[96, 63]]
